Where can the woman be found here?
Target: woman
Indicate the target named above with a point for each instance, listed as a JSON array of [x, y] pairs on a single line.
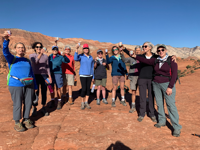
[[40, 65], [68, 70], [55, 63], [21, 82], [118, 74], [86, 73], [163, 84]]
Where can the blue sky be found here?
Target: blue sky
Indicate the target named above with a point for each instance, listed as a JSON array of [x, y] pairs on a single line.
[[172, 22]]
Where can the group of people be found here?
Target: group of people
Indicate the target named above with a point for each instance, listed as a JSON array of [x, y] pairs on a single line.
[[148, 71]]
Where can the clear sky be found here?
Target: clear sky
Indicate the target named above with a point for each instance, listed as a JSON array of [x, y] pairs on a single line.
[[171, 22]]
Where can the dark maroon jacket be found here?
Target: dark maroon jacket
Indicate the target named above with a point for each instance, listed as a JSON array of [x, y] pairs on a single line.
[[164, 70]]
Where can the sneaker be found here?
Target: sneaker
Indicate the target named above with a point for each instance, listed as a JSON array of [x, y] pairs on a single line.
[[28, 124], [104, 101], [59, 106], [123, 103], [82, 106], [87, 106], [70, 101], [113, 104], [34, 112], [140, 118], [159, 125], [52, 104], [98, 101], [176, 133], [44, 112], [19, 128], [153, 119], [132, 109]]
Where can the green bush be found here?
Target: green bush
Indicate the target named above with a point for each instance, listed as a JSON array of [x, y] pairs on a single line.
[[198, 60], [182, 75], [192, 59], [192, 71], [194, 66], [188, 72], [188, 66]]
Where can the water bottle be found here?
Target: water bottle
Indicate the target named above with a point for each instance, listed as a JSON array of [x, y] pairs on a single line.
[[92, 90], [50, 88]]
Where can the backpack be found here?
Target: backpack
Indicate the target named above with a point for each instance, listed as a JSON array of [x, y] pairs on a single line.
[[168, 61]]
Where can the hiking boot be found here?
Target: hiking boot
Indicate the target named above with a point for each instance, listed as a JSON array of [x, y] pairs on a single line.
[[34, 112], [87, 106], [44, 112], [59, 106], [140, 118], [132, 109], [28, 124], [159, 125], [98, 101], [113, 104], [52, 104], [153, 119], [104, 101], [123, 103], [19, 128], [70, 101], [82, 106], [176, 132]]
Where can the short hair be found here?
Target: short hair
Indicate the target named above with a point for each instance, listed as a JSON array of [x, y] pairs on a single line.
[[149, 44], [68, 47], [35, 43], [112, 49], [19, 43], [138, 46]]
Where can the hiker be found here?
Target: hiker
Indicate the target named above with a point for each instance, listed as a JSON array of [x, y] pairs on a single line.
[[164, 84], [55, 63], [133, 74], [21, 82], [40, 65], [118, 74], [68, 70], [86, 73], [100, 76]]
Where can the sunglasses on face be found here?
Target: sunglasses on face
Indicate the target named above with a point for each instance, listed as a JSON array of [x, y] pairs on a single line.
[[160, 50], [38, 47], [115, 49], [67, 49], [100, 53], [144, 46]]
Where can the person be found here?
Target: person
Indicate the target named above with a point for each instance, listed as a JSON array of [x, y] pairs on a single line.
[[41, 70], [133, 75], [55, 64], [21, 82], [100, 76], [86, 73], [164, 84], [118, 74], [68, 70]]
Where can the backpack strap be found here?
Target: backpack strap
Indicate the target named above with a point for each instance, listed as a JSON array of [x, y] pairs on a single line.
[[8, 77]]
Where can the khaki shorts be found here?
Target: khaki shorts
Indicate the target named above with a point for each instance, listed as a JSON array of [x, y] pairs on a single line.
[[133, 82], [101, 82], [115, 79], [68, 79]]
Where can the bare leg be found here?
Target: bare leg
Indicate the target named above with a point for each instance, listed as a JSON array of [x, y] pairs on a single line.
[[98, 91], [103, 91]]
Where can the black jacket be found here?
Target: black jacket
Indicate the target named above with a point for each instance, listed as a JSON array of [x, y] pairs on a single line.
[[100, 71]]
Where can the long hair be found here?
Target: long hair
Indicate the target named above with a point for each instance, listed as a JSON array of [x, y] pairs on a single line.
[[112, 49]]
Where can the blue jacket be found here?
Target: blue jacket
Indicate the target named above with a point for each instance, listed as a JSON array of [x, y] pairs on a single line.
[[118, 67], [21, 68], [86, 64], [55, 64]]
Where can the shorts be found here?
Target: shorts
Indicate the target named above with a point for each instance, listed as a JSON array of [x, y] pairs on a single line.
[[115, 79], [133, 82], [68, 79], [57, 79], [101, 82]]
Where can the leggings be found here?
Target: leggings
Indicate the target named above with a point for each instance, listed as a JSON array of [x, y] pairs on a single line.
[[85, 83]]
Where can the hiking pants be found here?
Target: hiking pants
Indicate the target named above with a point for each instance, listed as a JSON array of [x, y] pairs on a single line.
[[85, 83], [19, 95], [145, 84], [40, 80], [160, 90]]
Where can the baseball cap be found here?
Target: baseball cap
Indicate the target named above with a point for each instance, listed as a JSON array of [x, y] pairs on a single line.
[[85, 46], [99, 51], [54, 47], [161, 45]]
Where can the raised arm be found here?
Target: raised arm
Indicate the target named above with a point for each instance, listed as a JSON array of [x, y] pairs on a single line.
[[146, 61], [125, 60], [9, 57], [65, 59], [108, 60]]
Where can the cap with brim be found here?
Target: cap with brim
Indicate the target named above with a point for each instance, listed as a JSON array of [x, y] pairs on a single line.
[[54, 47], [161, 45], [99, 51]]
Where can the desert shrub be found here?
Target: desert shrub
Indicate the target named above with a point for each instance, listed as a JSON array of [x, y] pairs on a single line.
[[188, 72], [192, 71], [198, 60], [182, 58], [192, 59], [182, 75], [184, 71], [188, 66], [194, 66]]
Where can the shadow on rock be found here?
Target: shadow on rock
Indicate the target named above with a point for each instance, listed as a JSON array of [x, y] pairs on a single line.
[[118, 146]]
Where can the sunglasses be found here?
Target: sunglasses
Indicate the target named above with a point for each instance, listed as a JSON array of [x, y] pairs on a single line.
[[38, 47], [100, 53], [115, 49], [144, 46], [160, 50]]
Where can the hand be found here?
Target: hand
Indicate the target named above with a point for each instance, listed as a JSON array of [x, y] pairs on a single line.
[[6, 35], [77, 46], [104, 64], [106, 53], [74, 77], [50, 80], [63, 54], [96, 59], [174, 58], [92, 80], [169, 91], [42, 51]]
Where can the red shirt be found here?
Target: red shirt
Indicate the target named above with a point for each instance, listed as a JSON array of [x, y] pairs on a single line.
[[69, 68]]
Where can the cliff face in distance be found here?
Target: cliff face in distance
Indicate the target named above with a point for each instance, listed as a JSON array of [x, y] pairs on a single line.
[[28, 38]]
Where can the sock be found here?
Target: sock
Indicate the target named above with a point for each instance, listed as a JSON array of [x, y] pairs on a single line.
[[113, 99], [86, 102], [70, 96], [123, 98], [97, 98], [104, 98], [133, 103], [16, 121], [53, 99], [82, 103], [59, 100]]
